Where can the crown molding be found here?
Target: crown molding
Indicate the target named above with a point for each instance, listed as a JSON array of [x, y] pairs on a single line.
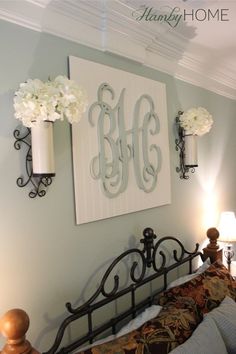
[[23, 14], [85, 24]]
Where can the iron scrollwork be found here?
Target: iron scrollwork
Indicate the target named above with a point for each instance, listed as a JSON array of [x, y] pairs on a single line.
[[39, 183], [147, 258], [180, 146]]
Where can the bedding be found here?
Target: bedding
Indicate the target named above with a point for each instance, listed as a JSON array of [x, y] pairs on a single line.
[[150, 312], [216, 334], [137, 322], [171, 327], [182, 321], [225, 318], [196, 314], [206, 339], [185, 304], [185, 278], [207, 289]]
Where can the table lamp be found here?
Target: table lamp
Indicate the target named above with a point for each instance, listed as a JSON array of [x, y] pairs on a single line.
[[227, 230]]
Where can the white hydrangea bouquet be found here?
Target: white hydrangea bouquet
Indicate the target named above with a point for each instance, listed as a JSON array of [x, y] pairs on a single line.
[[49, 101], [196, 121]]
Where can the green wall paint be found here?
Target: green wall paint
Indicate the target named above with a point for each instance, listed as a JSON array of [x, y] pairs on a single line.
[[46, 259]]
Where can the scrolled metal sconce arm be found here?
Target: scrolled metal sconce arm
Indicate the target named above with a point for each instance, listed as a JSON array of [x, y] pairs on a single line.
[[39, 183], [182, 169]]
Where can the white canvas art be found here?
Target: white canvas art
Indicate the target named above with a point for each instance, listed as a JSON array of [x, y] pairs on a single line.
[[120, 146]]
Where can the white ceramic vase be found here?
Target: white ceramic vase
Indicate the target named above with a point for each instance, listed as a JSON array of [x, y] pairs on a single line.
[[190, 151], [43, 149]]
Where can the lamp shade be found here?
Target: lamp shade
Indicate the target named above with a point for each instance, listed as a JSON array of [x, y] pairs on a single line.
[[227, 227]]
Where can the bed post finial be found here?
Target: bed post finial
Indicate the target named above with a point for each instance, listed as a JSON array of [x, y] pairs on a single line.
[[148, 239], [14, 325], [212, 250]]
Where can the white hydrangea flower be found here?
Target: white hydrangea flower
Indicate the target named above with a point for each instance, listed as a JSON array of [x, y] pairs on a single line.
[[59, 99], [196, 121]]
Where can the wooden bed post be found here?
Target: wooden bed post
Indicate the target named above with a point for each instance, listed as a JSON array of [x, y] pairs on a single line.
[[212, 250], [14, 325]]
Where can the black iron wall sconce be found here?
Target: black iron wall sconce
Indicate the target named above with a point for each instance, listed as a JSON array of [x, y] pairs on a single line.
[[191, 124], [38, 105], [186, 144], [38, 182]]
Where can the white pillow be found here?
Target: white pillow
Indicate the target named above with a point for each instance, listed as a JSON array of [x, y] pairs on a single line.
[[181, 280], [206, 339], [137, 322], [98, 342], [188, 277], [204, 266], [225, 319]]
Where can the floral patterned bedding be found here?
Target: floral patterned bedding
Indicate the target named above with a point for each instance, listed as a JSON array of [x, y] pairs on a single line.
[[183, 309]]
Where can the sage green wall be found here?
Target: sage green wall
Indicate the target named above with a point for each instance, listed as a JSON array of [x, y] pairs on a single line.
[[45, 259]]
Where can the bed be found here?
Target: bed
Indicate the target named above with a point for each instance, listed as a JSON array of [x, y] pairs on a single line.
[[194, 313]]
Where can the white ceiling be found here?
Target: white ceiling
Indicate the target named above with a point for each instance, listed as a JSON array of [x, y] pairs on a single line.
[[202, 52]]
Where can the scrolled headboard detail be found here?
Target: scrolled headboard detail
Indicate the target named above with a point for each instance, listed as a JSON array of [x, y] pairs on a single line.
[[143, 270], [144, 266]]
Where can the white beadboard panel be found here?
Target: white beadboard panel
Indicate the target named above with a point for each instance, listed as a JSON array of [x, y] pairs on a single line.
[[90, 200]]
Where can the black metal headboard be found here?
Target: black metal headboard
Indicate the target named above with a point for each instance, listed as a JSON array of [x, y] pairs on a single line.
[[150, 256]]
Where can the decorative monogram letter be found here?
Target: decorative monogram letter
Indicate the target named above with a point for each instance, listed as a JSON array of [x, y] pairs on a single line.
[[111, 165]]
